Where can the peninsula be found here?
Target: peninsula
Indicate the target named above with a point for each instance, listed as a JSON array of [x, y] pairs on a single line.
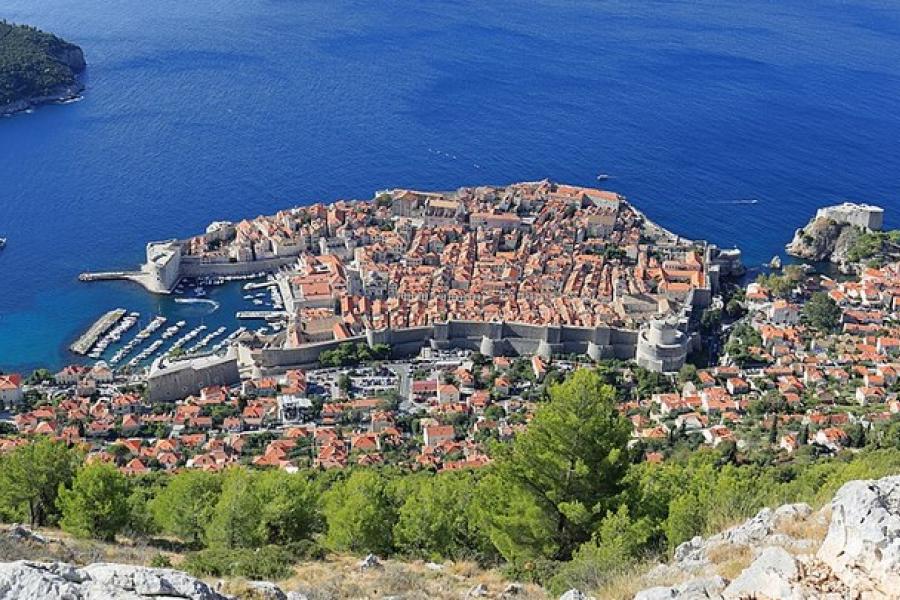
[[36, 68], [530, 268]]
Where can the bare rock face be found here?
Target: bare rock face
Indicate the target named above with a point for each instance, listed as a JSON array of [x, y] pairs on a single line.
[[102, 581], [774, 574], [863, 542], [859, 558]]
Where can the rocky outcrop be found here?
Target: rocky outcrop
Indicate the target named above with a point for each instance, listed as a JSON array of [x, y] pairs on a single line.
[[823, 240], [859, 558], [697, 557], [102, 581], [62, 94], [863, 542]]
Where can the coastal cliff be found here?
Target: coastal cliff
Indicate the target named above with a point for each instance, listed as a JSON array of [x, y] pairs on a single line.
[[36, 68], [824, 239], [847, 235]]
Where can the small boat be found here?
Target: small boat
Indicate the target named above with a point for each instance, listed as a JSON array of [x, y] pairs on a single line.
[[2, 243], [602, 177]]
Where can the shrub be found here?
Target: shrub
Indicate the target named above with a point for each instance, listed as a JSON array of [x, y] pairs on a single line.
[[266, 563], [160, 561]]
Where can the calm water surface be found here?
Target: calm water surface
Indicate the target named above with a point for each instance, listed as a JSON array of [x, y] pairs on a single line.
[[222, 109]]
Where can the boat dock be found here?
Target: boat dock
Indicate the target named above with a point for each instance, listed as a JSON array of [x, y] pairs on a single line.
[[261, 314], [100, 326]]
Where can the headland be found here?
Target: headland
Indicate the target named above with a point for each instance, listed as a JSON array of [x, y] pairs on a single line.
[[536, 268], [36, 68]]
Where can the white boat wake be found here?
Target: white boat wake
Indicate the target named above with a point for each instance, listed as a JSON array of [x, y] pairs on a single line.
[[215, 305]]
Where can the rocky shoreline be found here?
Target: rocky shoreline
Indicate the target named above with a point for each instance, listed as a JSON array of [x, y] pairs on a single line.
[[65, 94]]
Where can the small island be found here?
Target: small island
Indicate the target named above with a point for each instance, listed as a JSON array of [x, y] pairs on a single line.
[[36, 68]]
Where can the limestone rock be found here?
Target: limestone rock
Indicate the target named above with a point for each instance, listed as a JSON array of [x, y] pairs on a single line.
[[266, 590], [23, 533], [694, 589], [791, 512], [370, 562], [23, 579], [862, 546], [102, 581], [512, 589], [773, 575], [656, 593], [574, 594], [149, 582]]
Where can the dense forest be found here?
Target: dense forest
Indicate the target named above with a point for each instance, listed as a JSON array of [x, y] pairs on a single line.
[[34, 64], [566, 504]]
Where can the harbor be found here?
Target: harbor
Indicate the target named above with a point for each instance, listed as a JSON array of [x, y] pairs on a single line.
[[200, 316]]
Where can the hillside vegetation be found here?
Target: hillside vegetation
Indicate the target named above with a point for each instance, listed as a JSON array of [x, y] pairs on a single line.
[[566, 504], [34, 64]]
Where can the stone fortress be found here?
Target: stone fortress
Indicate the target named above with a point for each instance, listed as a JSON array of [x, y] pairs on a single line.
[[663, 345], [867, 216]]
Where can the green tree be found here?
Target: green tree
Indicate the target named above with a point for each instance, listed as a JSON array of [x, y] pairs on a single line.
[[143, 489], [344, 383], [235, 521], [688, 373], [651, 382], [685, 520], [618, 543], [39, 376], [360, 513], [97, 503], [289, 506], [742, 338], [711, 319], [30, 478], [548, 490], [821, 312], [185, 506], [734, 308], [436, 520]]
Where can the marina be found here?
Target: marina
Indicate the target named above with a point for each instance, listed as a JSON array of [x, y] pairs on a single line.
[[203, 343], [137, 340], [114, 335]]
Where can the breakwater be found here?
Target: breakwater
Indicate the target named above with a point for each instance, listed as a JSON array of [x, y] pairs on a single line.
[[83, 344]]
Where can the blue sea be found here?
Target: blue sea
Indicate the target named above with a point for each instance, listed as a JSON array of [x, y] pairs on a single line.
[[730, 120]]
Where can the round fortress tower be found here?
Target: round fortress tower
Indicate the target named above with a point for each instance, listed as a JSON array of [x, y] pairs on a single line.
[[661, 346]]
